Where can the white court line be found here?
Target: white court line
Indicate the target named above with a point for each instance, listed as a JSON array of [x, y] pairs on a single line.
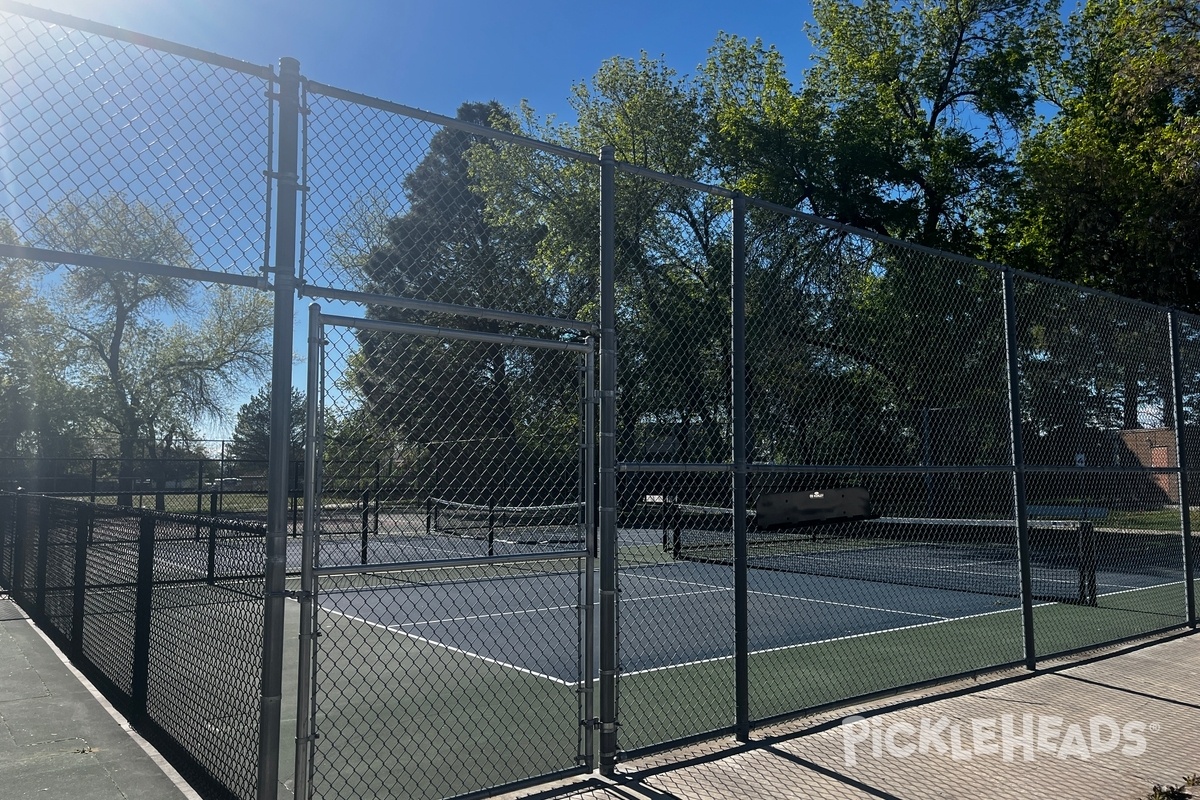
[[939, 621], [803, 599], [1138, 588], [460, 651], [876, 633], [550, 608], [493, 615]]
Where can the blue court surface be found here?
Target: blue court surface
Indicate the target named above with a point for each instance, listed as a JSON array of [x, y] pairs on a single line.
[[671, 614]]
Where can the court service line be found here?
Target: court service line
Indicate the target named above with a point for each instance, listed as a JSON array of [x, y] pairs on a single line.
[[460, 651], [518, 612], [714, 659], [804, 599], [493, 615], [1131, 589]]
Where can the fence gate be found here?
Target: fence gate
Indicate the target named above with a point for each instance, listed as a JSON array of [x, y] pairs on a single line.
[[448, 559]]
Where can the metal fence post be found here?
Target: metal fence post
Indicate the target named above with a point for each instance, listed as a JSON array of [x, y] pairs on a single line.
[[608, 463], [1185, 515], [20, 529], [1012, 347], [741, 610], [83, 524], [43, 558], [287, 190], [304, 683], [141, 617]]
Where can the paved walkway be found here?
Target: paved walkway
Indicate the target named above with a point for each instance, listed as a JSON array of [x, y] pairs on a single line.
[[1108, 728], [58, 740]]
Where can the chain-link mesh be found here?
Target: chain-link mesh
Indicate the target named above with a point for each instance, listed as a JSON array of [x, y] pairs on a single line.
[[1188, 426], [871, 367], [675, 622], [875, 367], [400, 206], [205, 697], [1099, 435], [96, 123], [179, 652], [451, 656], [59, 533], [8, 540]]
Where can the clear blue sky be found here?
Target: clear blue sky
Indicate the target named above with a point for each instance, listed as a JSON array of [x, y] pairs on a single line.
[[435, 55]]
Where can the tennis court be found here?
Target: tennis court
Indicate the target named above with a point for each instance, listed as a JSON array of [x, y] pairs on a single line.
[[483, 616]]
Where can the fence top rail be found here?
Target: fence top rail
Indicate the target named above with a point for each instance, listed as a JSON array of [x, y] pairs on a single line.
[[316, 87], [451, 333], [192, 520], [394, 301], [266, 73], [62, 258]]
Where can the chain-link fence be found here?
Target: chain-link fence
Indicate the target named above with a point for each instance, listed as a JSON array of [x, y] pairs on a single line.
[[167, 622], [449, 648], [809, 464]]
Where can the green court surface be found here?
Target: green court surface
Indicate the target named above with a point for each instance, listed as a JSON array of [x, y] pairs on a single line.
[[668, 704]]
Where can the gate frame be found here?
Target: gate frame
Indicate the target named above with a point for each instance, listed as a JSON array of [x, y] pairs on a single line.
[[306, 709]]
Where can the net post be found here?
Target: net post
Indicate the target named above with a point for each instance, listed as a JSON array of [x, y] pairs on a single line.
[[286, 206], [1018, 467], [83, 524], [741, 611], [1087, 561], [1185, 515], [304, 678], [366, 524], [608, 464], [211, 574], [141, 617], [199, 494], [491, 531]]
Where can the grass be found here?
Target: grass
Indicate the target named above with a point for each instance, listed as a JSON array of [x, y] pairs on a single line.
[[1162, 519]]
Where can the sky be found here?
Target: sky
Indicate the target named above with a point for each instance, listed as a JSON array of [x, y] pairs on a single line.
[[437, 55]]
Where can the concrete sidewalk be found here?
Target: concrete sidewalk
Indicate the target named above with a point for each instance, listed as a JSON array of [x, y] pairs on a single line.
[[951, 742], [58, 738]]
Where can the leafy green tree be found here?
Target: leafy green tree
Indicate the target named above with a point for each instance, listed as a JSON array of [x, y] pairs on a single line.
[[40, 412], [903, 126], [1111, 195], [151, 354], [462, 403], [251, 438]]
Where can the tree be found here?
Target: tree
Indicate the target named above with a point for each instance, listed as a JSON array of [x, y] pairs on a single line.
[[902, 127], [455, 403], [252, 430], [39, 410], [1111, 195], [152, 354]]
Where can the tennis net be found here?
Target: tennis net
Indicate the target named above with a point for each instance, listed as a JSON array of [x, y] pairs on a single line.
[[964, 555], [561, 523]]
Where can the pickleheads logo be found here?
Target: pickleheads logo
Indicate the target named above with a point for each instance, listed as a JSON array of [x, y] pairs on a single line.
[[1005, 737]]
